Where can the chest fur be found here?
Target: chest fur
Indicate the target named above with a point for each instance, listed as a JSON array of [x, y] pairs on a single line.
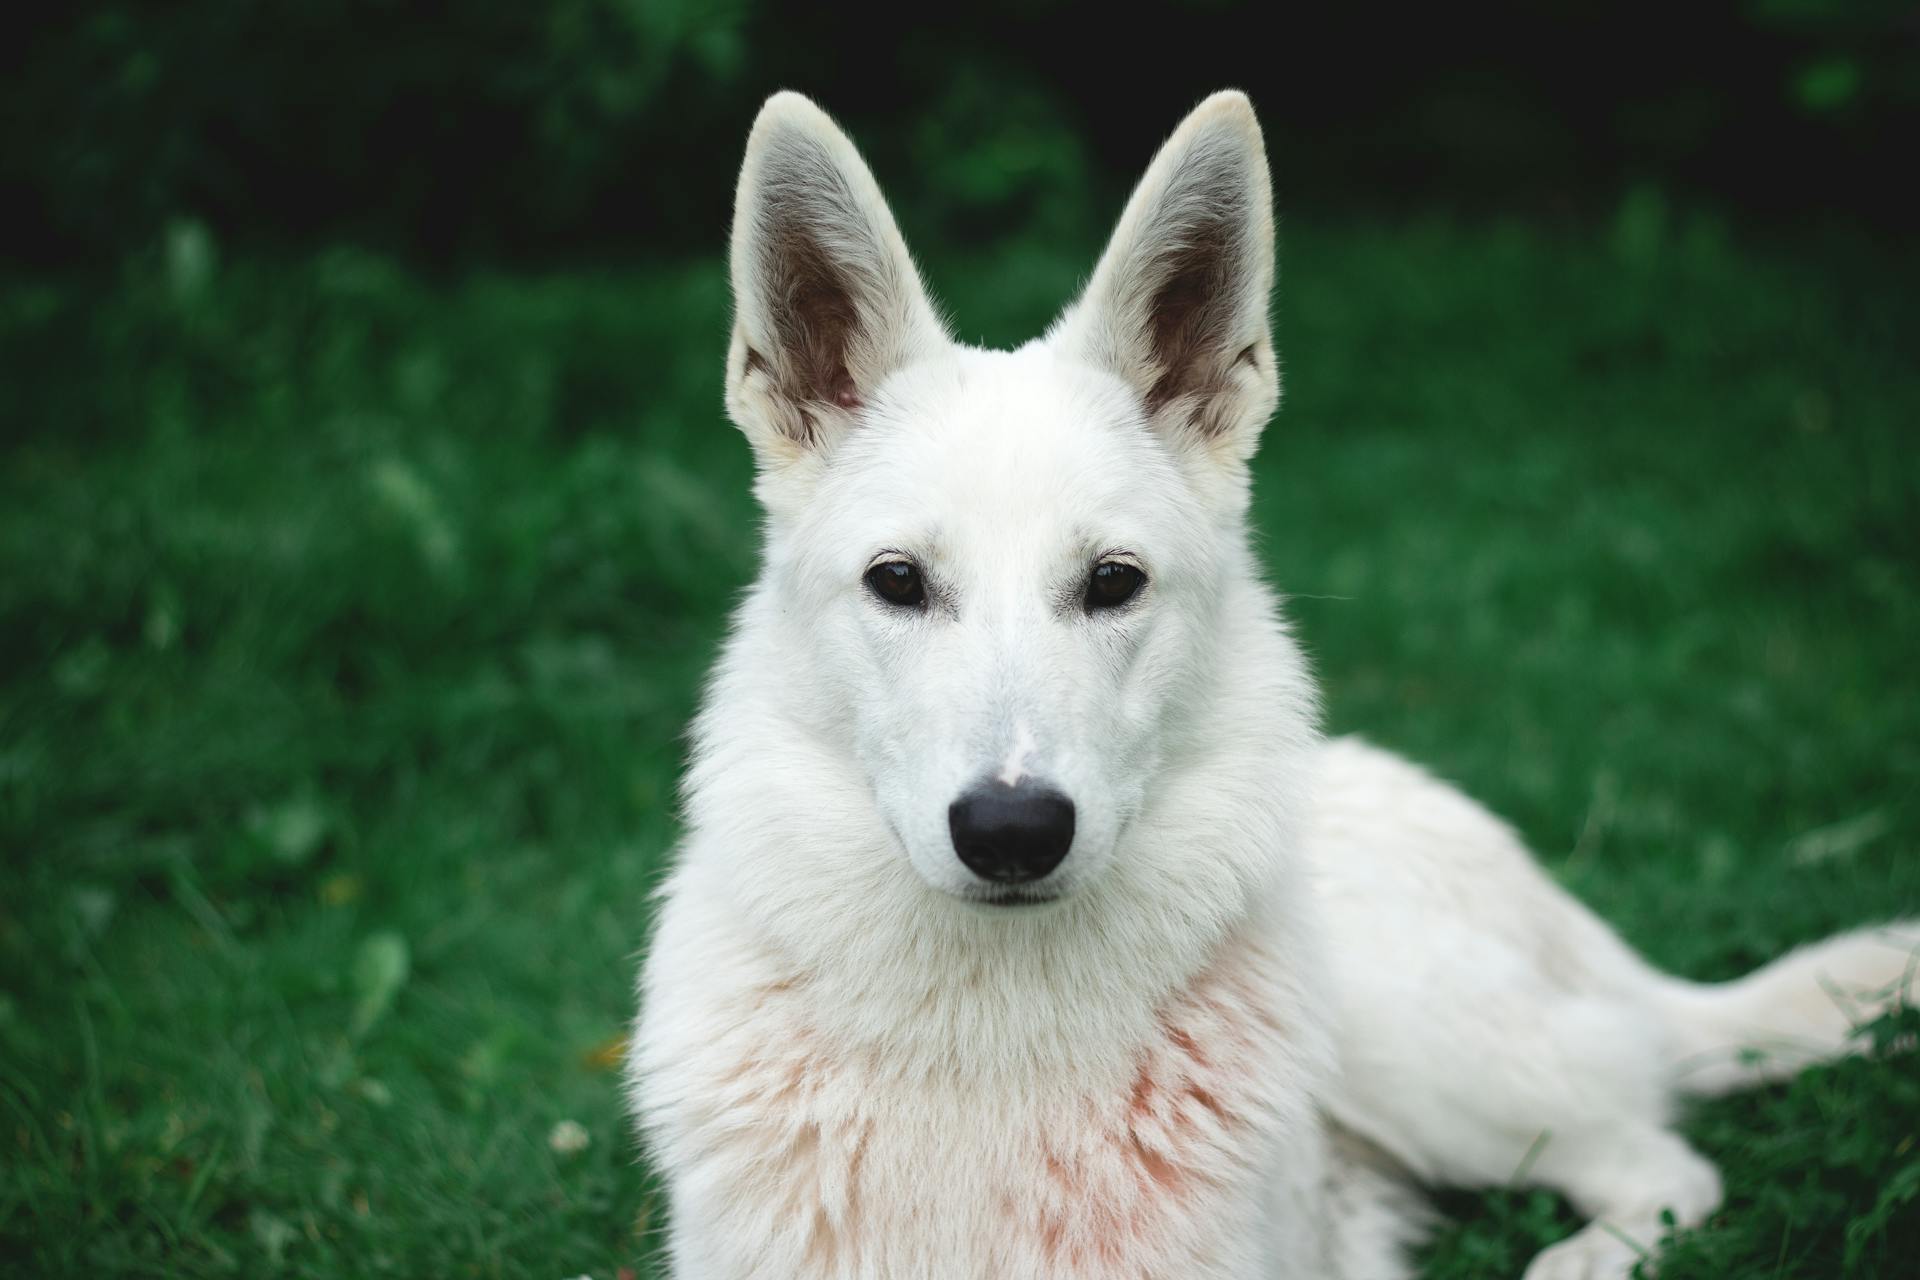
[[790, 1155]]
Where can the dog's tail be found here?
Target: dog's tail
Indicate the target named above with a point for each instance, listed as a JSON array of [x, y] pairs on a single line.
[[1801, 1009]]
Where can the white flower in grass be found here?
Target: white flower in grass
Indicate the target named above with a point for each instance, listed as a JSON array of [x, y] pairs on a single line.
[[568, 1138]]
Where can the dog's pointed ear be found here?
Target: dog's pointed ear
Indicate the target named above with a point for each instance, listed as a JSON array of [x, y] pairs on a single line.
[[1178, 304], [826, 300]]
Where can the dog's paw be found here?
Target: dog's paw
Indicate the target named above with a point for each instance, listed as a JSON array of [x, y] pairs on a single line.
[[1598, 1252]]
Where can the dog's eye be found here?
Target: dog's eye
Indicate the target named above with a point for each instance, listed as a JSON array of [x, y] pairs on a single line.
[[1113, 583], [898, 583]]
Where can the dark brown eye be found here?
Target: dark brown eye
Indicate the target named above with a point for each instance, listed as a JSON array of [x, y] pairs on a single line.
[[898, 583], [1113, 583]]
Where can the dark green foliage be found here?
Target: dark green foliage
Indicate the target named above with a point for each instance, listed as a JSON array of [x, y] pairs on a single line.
[[348, 624], [447, 126], [459, 129]]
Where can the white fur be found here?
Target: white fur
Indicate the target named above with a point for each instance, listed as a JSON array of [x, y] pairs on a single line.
[[1280, 978]]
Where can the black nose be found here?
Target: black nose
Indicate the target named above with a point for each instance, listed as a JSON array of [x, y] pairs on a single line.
[[1011, 835]]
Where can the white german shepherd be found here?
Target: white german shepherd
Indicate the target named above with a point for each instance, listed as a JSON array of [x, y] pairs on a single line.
[[1025, 925]]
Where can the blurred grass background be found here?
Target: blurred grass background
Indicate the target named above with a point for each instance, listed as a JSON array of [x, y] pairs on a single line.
[[368, 521]]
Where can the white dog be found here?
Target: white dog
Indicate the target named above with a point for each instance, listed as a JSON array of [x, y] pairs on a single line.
[[1025, 925]]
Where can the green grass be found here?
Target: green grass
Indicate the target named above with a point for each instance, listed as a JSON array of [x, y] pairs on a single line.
[[349, 621]]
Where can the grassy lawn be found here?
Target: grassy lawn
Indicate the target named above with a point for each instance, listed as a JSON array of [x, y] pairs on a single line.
[[348, 623]]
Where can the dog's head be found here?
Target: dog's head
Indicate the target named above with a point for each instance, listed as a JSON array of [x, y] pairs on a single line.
[[1003, 571]]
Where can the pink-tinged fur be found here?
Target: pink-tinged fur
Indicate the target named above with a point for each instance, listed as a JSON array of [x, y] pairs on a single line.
[[825, 1154], [1139, 1172]]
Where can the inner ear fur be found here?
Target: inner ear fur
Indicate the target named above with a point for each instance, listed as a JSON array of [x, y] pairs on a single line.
[[1191, 316]]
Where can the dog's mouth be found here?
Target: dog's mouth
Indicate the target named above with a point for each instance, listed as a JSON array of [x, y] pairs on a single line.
[[1013, 899], [1010, 899]]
